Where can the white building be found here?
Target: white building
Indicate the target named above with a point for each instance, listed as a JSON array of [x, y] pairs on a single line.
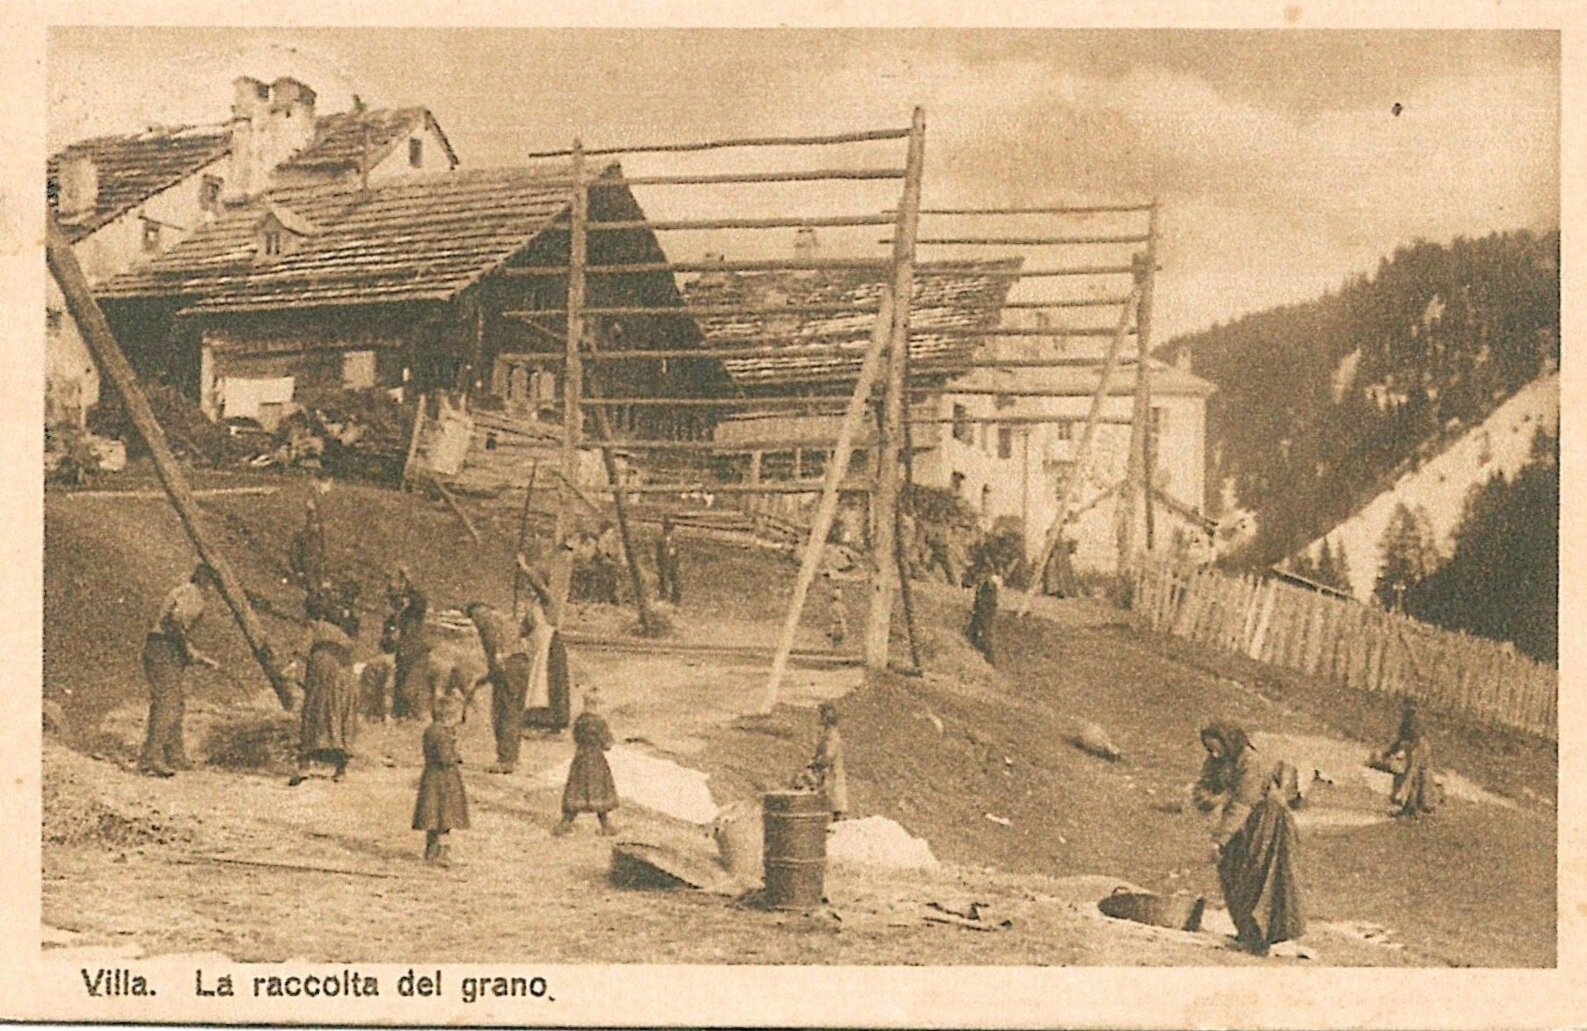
[[1007, 455], [124, 199]]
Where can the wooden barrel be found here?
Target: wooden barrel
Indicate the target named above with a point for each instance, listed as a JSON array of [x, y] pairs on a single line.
[[795, 848]]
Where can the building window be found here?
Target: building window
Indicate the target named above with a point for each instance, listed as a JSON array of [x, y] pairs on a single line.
[[151, 236], [415, 152], [209, 193], [812, 464], [1159, 421], [272, 243], [859, 462], [986, 500], [1002, 401], [1065, 429], [1005, 442], [961, 424], [956, 483]]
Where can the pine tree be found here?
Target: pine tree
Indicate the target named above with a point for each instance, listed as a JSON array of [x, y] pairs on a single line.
[[1408, 556]]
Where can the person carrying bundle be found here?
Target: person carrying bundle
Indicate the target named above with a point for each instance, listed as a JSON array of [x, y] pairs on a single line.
[[1254, 842], [1416, 789]]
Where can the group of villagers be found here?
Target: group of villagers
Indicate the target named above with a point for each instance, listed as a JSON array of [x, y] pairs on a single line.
[[1253, 837]]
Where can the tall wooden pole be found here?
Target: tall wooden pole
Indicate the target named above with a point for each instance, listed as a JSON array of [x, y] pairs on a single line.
[[1143, 341], [826, 510], [572, 373], [1083, 450], [523, 539], [879, 620], [96, 334], [648, 624]]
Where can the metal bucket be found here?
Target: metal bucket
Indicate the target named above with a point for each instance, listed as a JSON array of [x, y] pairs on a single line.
[[1181, 912], [795, 848]]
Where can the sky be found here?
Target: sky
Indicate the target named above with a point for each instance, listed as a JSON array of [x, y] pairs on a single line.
[[1279, 161]]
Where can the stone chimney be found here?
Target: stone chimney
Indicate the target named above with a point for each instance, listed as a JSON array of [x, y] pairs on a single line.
[[76, 185], [269, 124]]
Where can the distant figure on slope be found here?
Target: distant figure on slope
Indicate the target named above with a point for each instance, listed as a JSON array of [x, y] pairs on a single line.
[[1254, 841], [983, 615], [442, 805], [507, 669], [307, 558], [1410, 758], [667, 565], [590, 788], [167, 652], [329, 720], [837, 615], [825, 772], [413, 688]]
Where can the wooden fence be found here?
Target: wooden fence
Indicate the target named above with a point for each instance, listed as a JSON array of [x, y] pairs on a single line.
[[1360, 646]]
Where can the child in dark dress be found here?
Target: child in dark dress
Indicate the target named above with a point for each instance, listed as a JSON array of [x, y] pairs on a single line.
[[442, 805], [590, 788]]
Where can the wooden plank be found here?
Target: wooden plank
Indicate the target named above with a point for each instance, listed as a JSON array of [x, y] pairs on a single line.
[[648, 623], [1083, 450], [572, 372], [101, 343], [746, 141], [879, 614], [826, 510]]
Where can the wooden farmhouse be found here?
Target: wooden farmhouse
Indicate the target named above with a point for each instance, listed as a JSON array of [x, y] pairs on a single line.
[[125, 199], [414, 285]]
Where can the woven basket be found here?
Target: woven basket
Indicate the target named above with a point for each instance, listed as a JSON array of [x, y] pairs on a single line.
[[1182, 912]]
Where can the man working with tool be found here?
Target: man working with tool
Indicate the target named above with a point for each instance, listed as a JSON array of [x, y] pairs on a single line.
[[167, 652]]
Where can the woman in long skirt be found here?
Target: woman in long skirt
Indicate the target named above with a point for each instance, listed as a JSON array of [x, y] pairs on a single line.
[[330, 695], [1416, 789], [442, 805], [1254, 841], [590, 788]]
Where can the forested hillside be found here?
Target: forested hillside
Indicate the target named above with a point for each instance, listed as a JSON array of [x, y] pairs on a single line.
[[1320, 404]]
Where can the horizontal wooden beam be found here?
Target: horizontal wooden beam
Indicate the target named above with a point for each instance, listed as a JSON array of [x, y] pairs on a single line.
[[742, 141], [1068, 302], [1115, 390], [660, 225], [645, 267], [1015, 420], [1030, 273], [699, 311], [1070, 209], [810, 176], [783, 487], [1016, 331], [732, 447], [1024, 241], [712, 353], [835, 401], [1040, 363]]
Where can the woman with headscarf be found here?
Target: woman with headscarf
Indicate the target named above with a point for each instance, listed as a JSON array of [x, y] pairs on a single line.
[[547, 702], [330, 696], [1254, 840], [590, 788], [1410, 758]]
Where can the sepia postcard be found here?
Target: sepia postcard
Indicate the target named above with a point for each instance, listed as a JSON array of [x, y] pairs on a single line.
[[793, 515]]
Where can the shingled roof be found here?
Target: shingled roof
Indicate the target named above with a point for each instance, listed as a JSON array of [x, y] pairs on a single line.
[[134, 167], [340, 139], [968, 301], [422, 237]]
